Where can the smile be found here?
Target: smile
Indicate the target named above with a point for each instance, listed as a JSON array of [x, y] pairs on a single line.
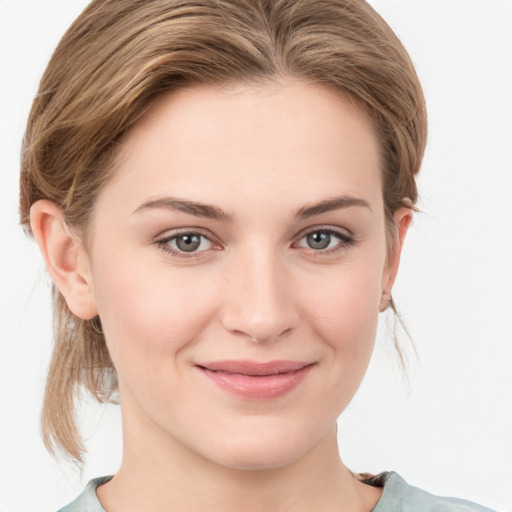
[[256, 381]]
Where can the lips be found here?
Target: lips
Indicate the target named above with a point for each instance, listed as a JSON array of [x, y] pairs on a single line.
[[256, 380]]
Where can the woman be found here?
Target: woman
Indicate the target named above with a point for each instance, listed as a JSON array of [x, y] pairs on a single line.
[[209, 187]]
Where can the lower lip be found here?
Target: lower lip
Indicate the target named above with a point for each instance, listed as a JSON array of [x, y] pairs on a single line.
[[253, 387]]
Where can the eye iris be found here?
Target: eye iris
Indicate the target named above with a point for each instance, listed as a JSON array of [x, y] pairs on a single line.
[[188, 243], [319, 240]]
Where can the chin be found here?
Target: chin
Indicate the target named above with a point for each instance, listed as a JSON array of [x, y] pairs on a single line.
[[265, 448]]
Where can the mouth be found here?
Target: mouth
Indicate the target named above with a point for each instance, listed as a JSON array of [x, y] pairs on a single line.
[[255, 380]]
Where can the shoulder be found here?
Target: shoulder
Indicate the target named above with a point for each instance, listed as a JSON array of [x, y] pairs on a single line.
[[87, 501], [399, 496]]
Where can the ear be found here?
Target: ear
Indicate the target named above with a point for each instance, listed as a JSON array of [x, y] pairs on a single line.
[[403, 217], [65, 257]]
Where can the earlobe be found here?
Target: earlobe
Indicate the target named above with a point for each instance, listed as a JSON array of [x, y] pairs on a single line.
[[64, 257], [403, 217]]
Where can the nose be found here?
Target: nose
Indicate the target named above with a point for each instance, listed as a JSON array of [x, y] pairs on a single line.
[[259, 302]]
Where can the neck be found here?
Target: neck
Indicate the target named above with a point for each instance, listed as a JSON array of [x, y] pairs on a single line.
[[157, 475]]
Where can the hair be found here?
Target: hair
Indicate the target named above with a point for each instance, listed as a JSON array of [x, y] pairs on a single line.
[[119, 55]]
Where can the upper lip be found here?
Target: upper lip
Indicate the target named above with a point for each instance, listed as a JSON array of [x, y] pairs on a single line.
[[254, 368]]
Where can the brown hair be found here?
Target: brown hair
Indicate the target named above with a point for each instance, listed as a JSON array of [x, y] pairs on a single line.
[[119, 55]]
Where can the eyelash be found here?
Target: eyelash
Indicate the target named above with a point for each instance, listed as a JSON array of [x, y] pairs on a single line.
[[344, 241], [163, 243]]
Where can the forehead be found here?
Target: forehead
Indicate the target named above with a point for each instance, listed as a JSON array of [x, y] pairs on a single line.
[[281, 141]]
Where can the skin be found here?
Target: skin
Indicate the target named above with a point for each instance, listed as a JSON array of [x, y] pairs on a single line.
[[254, 289]]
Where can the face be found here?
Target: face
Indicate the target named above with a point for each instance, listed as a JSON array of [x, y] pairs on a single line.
[[237, 260]]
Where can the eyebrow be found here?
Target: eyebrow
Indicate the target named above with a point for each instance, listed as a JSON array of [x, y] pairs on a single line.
[[214, 212], [191, 207], [328, 205]]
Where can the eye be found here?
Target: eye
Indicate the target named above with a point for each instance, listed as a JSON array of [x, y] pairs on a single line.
[[325, 240], [185, 244]]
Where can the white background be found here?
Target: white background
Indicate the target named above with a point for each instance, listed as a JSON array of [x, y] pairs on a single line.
[[450, 430]]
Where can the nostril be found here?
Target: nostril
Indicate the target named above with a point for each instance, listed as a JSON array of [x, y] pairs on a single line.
[[262, 339]]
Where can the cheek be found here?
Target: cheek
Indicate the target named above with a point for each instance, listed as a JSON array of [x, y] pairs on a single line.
[[345, 312], [150, 312]]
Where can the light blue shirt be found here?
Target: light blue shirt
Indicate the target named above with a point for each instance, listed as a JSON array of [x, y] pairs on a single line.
[[398, 496]]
